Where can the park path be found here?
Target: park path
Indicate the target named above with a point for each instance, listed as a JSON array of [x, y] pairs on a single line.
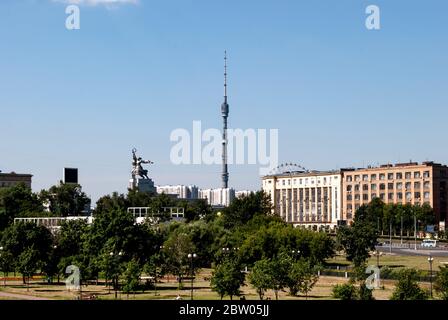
[[20, 296]]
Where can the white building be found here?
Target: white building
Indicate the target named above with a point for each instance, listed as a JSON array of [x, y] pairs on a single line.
[[309, 199], [218, 197], [242, 193], [181, 191]]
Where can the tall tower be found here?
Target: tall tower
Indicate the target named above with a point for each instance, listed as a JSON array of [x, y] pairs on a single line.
[[225, 115]]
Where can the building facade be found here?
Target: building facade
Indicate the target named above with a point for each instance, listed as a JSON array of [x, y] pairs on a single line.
[[308, 199], [181, 191], [221, 197], [405, 183], [11, 179]]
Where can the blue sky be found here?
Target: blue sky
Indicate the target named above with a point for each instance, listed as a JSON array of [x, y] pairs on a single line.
[[339, 94]]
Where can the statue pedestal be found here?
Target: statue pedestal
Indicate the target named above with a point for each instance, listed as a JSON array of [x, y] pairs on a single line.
[[142, 185]]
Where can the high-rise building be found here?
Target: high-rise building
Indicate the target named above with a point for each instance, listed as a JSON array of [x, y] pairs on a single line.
[[181, 191], [221, 197]]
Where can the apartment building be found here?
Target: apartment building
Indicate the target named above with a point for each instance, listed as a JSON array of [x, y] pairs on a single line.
[[12, 179], [403, 183], [307, 199]]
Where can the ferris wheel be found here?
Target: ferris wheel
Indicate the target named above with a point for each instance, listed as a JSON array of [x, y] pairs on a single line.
[[288, 168]]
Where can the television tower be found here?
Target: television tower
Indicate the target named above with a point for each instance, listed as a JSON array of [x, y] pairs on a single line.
[[225, 115]]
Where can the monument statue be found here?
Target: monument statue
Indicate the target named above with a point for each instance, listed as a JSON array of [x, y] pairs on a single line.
[[137, 169], [140, 180]]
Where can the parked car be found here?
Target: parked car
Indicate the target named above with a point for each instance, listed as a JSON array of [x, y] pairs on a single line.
[[429, 243]]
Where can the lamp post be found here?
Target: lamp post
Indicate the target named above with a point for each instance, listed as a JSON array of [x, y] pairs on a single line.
[[295, 254], [115, 279], [378, 254], [192, 256], [430, 260]]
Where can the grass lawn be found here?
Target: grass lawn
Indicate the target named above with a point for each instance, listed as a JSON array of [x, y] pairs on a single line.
[[168, 288]]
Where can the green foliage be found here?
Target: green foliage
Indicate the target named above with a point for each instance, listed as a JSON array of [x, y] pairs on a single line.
[[243, 209], [441, 283], [346, 291], [407, 287], [176, 249], [302, 277], [28, 262], [227, 279], [65, 199], [260, 277], [131, 277], [18, 201]]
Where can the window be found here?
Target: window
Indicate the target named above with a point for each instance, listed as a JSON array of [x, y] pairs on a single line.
[[349, 178], [365, 177], [373, 177], [426, 185], [399, 175], [382, 196], [356, 187], [426, 174], [399, 195], [408, 195], [357, 206], [283, 182], [349, 207], [407, 175], [357, 178], [390, 196], [349, 188], [417, 185], [390, 186], [357, 197], [373, 195], [382, 176], [399, 185], [382, 186], [325, 180], [373, 186], [365, 187], [426, 195], [365, 197], [408, 186], [417, 175], [390, 176], [417, 195], [349, 197], [300, 181]]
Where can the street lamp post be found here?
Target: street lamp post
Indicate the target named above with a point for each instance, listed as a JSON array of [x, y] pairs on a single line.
[[192, 256], [430, 260], [378, 255], [115, 279]]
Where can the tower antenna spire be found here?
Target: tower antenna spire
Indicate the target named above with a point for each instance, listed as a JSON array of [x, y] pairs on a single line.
[[225, 75], [225, 115]]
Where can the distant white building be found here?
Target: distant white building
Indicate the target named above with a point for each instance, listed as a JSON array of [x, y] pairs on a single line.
[[218, 197], [243, 193], [181, 191]]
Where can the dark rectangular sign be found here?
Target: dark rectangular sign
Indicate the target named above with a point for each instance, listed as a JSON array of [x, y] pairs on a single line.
[[71, 175]]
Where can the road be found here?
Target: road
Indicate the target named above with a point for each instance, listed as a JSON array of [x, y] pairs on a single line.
[[435, 252]]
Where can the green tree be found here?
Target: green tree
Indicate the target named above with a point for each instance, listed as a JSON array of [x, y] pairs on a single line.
[[407, 287], [18, 201], [176, 249], [28, 263], [260, 277], [6, 264], [131, 277], [65, 199], [243, 209], [441, 283], [227, 279], [346, 291], [302, 277]]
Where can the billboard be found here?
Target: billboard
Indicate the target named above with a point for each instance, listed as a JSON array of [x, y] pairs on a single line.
[[71, 175]]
